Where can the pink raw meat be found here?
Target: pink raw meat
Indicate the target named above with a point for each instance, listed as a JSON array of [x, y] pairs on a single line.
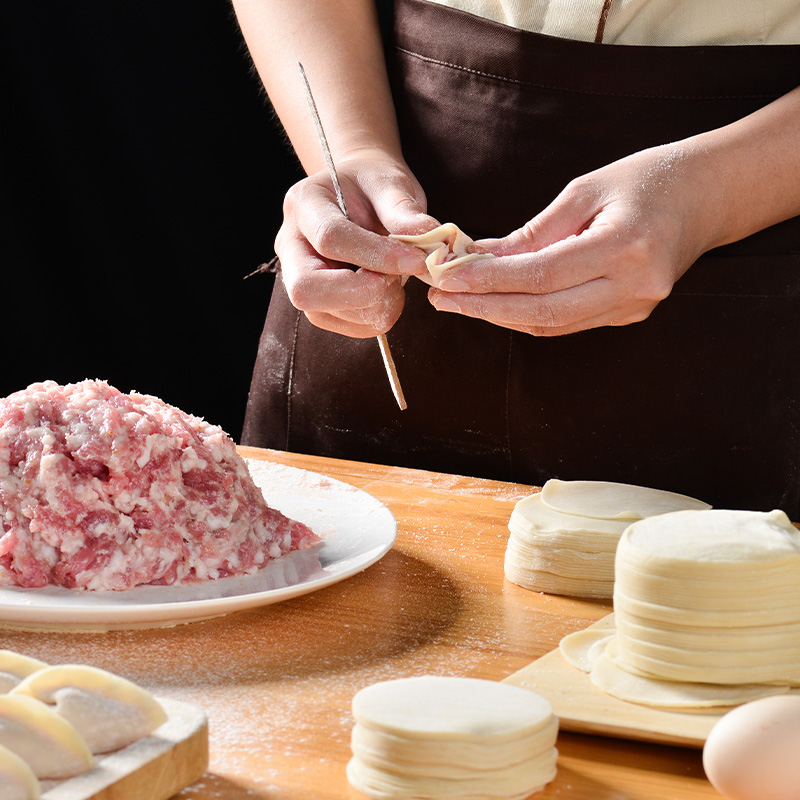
[[105, 491]]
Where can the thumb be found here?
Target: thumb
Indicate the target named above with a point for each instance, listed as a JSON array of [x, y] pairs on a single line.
[[403, 209]]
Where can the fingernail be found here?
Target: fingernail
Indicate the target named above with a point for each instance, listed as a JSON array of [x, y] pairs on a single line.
[[453, 285], [442, 303]]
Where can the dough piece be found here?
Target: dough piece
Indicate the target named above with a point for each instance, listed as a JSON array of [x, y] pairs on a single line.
[[46, 741], [110, 712], [440, 737], [609, 675], [563, 539], [706, 611], [462, 709], [582, 648], [561, 529], [17, 779], [551, 551], [14, 667], [710, 596], [513, 783], [606, 500], [594, 651], [386, 750], [445, 246]]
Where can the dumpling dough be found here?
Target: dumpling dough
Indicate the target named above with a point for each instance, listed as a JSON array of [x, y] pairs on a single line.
[[706, 611], [563, 539], [445, 246], [594, 651], [17, 779], [14, 667], [550, 551], [48, 743], [608, 500], [710, 596], [436, 737], [108, 711]]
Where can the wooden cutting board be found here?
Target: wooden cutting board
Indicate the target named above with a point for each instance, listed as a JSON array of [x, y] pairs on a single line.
[[153, 768], [583, 708]]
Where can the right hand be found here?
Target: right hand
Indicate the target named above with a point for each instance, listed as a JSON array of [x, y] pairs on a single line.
[[346, 275]]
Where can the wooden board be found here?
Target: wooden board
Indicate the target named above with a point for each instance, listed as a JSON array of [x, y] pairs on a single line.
[[153, 768], [583, 708]]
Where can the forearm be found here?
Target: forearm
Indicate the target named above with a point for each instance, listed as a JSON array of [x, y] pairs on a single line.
[[340, 47], [752, 175]]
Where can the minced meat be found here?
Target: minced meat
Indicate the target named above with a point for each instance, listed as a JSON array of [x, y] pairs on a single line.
[[103, 490]]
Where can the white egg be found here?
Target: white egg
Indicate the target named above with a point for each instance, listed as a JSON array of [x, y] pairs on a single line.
[[753, 752]]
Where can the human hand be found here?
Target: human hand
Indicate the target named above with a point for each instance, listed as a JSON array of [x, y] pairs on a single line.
[[605, 252], [345, 275]]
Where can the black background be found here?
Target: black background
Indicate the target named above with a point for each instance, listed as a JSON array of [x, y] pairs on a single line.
[[142, 176]]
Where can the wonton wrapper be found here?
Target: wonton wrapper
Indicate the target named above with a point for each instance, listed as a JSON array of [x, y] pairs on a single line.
[[17, 779], [550, 551], [445, 246], [706, 611], [595, 652], [436, 737], [42, 738], [563, 539], [607, 500], [14, 667], [710, 596], [110, 712]]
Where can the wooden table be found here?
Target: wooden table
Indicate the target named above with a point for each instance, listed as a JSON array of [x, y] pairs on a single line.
[[277, 682]]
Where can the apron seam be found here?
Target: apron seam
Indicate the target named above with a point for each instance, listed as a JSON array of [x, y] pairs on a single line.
[[509, 451], [290, 379], [533, 85]]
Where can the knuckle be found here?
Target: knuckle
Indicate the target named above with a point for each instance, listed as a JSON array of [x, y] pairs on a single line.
[[327, 234], [541, 281], [652, 287], [639, 314], [584, 186], [373, 289], [294, 196], [299, 293], [546, 316], [651, 280]]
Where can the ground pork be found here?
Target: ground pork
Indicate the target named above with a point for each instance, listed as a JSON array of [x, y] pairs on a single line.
[[102, 490]]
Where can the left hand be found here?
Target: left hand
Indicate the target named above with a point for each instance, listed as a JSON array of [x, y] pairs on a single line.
[[606, 251]]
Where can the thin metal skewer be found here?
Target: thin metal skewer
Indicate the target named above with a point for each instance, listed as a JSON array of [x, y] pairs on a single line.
[[388, 361]]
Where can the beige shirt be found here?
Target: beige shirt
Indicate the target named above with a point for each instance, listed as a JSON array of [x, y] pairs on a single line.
[[649, 22]]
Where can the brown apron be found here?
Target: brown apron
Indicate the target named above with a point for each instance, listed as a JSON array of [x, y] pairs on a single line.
[[703, 397]]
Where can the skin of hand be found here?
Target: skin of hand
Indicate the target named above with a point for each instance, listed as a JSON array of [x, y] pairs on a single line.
[[605, 252], [610, 247], [346, 275]]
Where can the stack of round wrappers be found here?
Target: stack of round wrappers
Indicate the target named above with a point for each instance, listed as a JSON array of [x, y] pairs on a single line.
[[433, 737], [563, 539], [706, 611]]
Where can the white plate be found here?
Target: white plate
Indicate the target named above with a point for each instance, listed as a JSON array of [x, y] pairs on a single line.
[[356, 530]]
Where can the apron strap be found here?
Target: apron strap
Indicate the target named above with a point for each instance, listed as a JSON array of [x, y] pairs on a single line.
[[601, 23]]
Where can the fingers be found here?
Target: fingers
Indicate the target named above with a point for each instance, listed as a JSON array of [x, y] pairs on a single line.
[[316, 218], [567, 216], [358, 303], [590, 305], [587, 281], [400, 207], [344, 273], [560, 266]]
